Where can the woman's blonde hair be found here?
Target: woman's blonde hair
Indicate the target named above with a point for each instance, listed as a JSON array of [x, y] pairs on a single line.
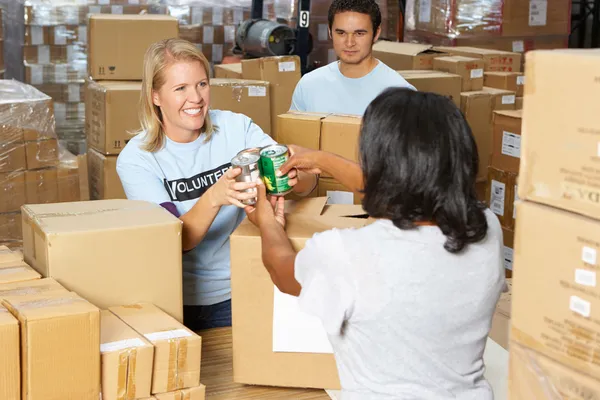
[[158, 57]]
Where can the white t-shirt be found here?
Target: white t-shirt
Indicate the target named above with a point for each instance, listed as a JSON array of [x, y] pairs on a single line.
[[406, 318]]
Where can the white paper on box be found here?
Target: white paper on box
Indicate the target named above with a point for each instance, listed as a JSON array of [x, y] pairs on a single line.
[[508, 258], [538, 12], [74, 94], [497, 193], [116, 10], [339, 197], [197, 16], [425, 11], [580, 306], [217, 16], [167, 335], [521, 80], [588, 255], [60, 35], [287, 66], [37, 35], [238, 15], [257, 91], [229, 34], [208, 35], [476, 73], [585, 277], [509, 99], [518, 46], [511, 144], [121, 344], [37, 74], [323, 32], [43, 54], [295, 331], [217, 53]]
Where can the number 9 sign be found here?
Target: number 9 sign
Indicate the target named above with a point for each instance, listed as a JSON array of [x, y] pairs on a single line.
[[304, 19]]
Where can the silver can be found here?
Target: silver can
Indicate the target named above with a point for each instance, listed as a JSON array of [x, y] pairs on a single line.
[[247, 160]]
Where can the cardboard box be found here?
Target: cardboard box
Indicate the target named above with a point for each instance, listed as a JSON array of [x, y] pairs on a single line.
[[470, 70], [253, 300], [502, 99], [231, 71], [41, 186], [549, 17], [112, 57], [141, 260], [336, 192], [9, 256], [502, 195], [12, 191], [437, 82], [10, 228], [17, 272], [560, 149], [405, 56], [302, 129], [509, 250], [513, 81], [247, 97], [10, 364], [105, 183], [495, 60], [519, 103], [500, 330], [60, 338], [12, 156], [477, 109], [41, 154], [506, 153], [127, 360], [111, 114], [283, 74], [556, 299], [339, 135], [68, 183], [533, 376], [177, 350], [196, 393], [34, 287]]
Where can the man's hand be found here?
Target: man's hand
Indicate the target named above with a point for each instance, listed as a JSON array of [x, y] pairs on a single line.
[[303, 159], [266, 210]]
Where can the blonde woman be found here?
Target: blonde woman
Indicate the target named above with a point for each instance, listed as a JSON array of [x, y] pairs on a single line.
[[181, 160]]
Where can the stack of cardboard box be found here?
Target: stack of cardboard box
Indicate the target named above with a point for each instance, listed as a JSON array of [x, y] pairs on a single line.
[[31, 169], [113, 94], [555, 307]]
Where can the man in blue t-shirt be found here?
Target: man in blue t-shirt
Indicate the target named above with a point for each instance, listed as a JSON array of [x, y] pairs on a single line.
[[348, 86]]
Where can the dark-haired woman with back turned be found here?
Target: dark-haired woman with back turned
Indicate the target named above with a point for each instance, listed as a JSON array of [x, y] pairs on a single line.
[[407, 301]]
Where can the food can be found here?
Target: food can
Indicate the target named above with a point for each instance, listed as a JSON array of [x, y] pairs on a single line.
[[271, 158], [247, 161]]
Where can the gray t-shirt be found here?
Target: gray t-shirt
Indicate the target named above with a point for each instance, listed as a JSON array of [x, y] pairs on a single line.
[[406, 318]]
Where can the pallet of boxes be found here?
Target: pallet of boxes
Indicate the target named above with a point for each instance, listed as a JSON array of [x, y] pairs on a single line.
[[33, 169], [555, 306]]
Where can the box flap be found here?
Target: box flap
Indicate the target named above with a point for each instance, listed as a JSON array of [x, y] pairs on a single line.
[[343, 210], [510, 113], [495, 91], [39, 307], [151, 321], [458, 59], [116, 335], [405, 48]]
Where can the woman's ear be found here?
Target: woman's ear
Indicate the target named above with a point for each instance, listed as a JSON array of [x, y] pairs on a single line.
[[155, 98]]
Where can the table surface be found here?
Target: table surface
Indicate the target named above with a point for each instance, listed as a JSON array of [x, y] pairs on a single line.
[[217, 373]]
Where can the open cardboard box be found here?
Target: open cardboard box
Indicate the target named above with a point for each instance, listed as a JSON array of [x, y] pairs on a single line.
[[258, 329]]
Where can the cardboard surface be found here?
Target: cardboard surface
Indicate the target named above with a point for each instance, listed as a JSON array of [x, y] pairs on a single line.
[[495, 60], [12, 156], [111, 114], [41, 186], [177, 350], [112, 57], [556, 300], [127, 360], [502, 100], [16, 272], [470, 70], [231, 71], [248, 97], [340, 134], [9, 256], [195, 393], [509, 250], [41, 154], [500, 330], [477, 109], [12, 191], [405, 56], [506, 152], [435, 81], [10, 364], [302, 129], [502, 195], [336, 192], [10, 229], [104, 181], [60, 338], [513, 81], [31, 288], [136, 248], [546, 17]]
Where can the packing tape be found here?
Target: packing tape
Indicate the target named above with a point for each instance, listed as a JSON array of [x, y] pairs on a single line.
[[122, 376], [172, 366], [186, 395], [178, 349], [23, 305], [27, 290], [182, 353], [131, 370]]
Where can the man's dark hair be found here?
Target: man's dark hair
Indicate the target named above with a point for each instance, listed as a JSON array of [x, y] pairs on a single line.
[[368, 7], [420, 162]]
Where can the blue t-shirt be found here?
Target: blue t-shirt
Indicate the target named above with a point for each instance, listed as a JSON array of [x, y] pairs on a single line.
[[176, 176], [327, 90]]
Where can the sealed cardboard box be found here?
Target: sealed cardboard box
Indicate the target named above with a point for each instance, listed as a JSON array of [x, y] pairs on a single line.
[[513, 81], [302, 129], [258, 357], [470, 70], [127, 359], [247, 97], [500, 330], [111, 114], [35, 287], [435, 81], [41, 186], [336, 193], [10, 228], [495, 60], [196, 393], [340, 134], [17, 272], [502, 195], [506, 153], [560, 149], [12, 156], [12, 191], [10, 365], [104, 181], [41, 154], [283, 74], [232, 71], [477, 109], [405, 56], [136, 248], [556, 300], [112, 57], [60, 338], [502, 99], [171, 340]]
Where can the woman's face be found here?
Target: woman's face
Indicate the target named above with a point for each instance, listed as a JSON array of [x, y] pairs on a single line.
[[183, 99]]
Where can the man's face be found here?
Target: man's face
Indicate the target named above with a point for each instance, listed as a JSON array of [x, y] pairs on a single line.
[[353, 36]]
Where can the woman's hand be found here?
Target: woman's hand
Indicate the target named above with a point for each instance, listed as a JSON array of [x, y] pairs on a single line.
[[229, 192], [302, 159], [266, 210]]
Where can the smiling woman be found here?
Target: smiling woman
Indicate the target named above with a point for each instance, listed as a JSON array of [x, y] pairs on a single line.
[[180, 159]]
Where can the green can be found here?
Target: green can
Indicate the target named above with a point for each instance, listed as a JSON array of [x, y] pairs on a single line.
[[271, 158]]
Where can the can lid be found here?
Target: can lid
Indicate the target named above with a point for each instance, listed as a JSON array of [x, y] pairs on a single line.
[[274, 150], [245, 159]]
